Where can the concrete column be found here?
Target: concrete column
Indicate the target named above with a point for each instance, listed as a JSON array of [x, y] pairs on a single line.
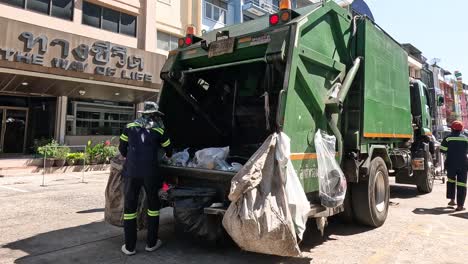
[[139, 107], [150, 26], [61, 119]]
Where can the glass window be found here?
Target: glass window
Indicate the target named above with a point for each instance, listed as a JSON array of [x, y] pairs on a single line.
[[223, 16], [215, 13], [91, 15], [174, 42], [128, 24], [167, 41], [164, 41], [98, 119], [62, 9], [41, 6], [110, 20], [19, 3], [208, 12], [216, 10]]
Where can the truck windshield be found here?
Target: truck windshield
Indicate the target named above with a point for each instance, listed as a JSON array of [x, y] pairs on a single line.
[[231, 106]]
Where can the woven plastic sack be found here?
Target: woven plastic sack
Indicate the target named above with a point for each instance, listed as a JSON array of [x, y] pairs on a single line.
[[332, 182], [258, 218], [114, 207]]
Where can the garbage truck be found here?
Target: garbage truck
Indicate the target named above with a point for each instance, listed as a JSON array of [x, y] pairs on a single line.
[[297, 71]]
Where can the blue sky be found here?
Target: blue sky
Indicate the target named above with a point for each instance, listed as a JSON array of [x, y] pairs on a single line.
[[438, 28]]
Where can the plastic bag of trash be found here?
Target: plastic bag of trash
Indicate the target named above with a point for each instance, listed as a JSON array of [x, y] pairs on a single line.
[[114, 195], [332, 182], [297, 199], [208, 158], [189, 216], [180, 158]]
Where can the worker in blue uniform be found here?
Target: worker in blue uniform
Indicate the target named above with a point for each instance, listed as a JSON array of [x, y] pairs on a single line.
[[455, 146], [140, 143]]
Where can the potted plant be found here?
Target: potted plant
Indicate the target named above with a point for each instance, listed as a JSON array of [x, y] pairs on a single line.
[[61, 156], [49, 151], [78, 157], [91, 153], [100, 153], [71, 159], [109, 151]]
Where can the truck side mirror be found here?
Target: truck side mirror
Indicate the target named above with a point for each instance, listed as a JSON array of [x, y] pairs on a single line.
[[440, 101]]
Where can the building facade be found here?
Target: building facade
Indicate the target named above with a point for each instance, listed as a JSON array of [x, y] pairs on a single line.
[[76, 70], [220, 13]]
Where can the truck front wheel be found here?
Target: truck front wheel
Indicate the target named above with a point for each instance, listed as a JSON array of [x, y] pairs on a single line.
[[370, 198], [425, 178]]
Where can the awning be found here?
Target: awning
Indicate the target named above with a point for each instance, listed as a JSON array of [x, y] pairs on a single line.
[[38, 61]]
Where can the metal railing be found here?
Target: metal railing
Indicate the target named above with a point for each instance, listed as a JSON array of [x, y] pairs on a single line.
[[264, 4], [46, 148]]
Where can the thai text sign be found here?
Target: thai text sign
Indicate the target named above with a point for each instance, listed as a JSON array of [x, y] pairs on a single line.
[[29, 44]]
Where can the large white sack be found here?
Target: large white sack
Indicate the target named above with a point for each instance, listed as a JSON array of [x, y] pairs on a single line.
[[258, 218], [299, 206]]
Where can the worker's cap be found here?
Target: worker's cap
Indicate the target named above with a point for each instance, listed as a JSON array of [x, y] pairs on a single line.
[[150, 108], [457, 125]]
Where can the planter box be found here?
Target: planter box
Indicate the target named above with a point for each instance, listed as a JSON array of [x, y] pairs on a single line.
[[48, 163], [60, 162]]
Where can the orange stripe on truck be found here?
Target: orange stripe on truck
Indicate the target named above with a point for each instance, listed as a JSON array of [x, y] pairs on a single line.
[[303, 156], [384, 135]]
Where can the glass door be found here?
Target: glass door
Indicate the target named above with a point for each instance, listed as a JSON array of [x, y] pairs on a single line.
[[14, 127], [2, 118]]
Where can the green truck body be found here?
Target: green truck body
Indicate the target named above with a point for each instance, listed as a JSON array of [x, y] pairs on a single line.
[[325, 69]]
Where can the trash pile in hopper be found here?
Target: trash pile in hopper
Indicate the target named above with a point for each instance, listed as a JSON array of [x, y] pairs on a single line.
[[268, 209], [208, 158]]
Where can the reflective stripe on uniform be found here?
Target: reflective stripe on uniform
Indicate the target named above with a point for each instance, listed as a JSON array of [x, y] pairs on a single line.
[[443, 148], [153, 213], [451, 181], [461, 184], [133, 125], [130, 216], [457, 139], [160, 130], [124, 137], [166, 144]]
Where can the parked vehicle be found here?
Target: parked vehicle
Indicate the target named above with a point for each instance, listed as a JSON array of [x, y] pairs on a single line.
[[297, 71]]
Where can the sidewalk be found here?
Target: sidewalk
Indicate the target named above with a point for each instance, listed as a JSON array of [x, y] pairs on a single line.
[[28, 165]]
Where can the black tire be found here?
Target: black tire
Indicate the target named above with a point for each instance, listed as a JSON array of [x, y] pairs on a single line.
[[370, 198], [426, 178]]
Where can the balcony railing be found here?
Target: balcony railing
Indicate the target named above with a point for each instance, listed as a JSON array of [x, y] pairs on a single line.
[[260, 7]]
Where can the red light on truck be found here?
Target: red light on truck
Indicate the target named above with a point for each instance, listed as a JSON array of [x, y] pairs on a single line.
[[274, 19], [188, 41]]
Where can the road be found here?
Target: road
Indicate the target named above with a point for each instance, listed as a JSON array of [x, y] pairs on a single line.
[[63, 223]]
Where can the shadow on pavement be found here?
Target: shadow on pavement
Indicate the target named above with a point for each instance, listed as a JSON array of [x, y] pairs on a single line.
[[461, 215], [43, 248], [434, 211], [100, 242], [313, 238], [95, 210], [403, 191]]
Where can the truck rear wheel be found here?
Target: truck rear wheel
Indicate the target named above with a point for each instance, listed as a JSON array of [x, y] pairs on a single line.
[[370, 198], [426, 178]]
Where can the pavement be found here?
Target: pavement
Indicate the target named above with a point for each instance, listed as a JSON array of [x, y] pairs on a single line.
[[62, 222]]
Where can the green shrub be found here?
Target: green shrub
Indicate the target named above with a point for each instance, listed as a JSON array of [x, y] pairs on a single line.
[[62, 153], [49, 150]]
